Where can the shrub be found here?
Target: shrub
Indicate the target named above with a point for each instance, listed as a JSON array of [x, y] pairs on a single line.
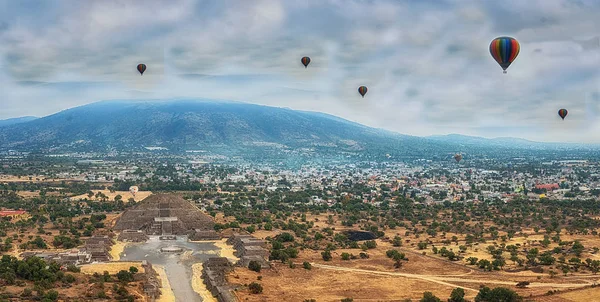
[[326, 255], [255, 288], [254, 266], [307, 265]]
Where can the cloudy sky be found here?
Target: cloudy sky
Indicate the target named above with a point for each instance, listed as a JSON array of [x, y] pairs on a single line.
[[426, 63]]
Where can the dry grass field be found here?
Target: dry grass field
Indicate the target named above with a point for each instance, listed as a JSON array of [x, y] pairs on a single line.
[[376, 279], [125, 195], [110, 267]]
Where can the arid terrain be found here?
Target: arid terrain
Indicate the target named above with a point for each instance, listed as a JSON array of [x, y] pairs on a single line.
[[376, 278]]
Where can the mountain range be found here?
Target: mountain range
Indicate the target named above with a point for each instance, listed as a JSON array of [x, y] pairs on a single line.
[[17, 120], [227, 127]]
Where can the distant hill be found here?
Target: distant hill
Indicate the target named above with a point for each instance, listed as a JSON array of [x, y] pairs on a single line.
[[242, 130], [506, 142], [227, 127], [17, 120]]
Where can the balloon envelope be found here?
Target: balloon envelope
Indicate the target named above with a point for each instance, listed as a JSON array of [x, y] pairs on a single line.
[[457, 157], [362, 90], [562, 113], [133, 189], [504, 50], [305, 61], [141, 68]]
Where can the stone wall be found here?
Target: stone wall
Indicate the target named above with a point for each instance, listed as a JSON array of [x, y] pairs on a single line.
[[214, 276], [132, 236]]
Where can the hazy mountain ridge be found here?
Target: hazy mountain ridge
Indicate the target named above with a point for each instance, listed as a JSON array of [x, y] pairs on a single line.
[[507, 142], [17, 120], [232, 128], [192, 124]]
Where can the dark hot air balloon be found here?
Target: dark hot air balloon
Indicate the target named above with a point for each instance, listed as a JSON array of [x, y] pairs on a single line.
[[457, 157], [141, 68], [305, 61], [562, 113], [504, 50], [362, 90]]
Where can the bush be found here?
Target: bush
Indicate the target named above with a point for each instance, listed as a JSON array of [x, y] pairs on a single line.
[[70, 278], [51, 295], [347, 300], [26, 292], [133, 270], [326, 255], [307, 265], [522, 284], [254, 266], [255, 288], [498, 294], [429, 297], [345, 256], [124, 276], [73, 269]]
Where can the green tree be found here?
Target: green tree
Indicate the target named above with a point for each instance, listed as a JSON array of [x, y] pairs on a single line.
[[429, 297], [124, 276], [326, 255], [498, 294], [457, 295]]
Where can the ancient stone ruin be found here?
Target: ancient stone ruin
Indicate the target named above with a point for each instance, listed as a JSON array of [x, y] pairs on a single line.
[[152, 284], [132, 236], [165, 214], [249, 248], [214, 271]]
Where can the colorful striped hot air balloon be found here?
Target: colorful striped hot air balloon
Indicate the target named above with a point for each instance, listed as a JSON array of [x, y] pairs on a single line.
[[305, 61], [141, 68], [504, 50], [362, 90], [562, 113]]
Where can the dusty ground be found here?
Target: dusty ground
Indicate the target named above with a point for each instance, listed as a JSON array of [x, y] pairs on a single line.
[[30, 178], [77, 290], [226, 250], [110, 267], [36, 193], [117, 249], [125, 195], [199, 286], [166, 291], [588, 295], [361, 278], [329, 285]]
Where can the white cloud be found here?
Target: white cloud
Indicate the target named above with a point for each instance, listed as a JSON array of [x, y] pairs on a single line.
[[426, 64]]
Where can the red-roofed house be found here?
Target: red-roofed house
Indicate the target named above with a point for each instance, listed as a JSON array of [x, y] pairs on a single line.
[[548, 187]]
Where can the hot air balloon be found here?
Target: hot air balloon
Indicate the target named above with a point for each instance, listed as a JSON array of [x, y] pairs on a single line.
[[562, 113], [504, 50], [133, 190], [305, 61], [457, 157], [362, 90], [141, 68]]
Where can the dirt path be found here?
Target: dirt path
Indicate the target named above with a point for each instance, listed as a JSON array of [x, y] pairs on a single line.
[[446, 279], [422, 277]]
